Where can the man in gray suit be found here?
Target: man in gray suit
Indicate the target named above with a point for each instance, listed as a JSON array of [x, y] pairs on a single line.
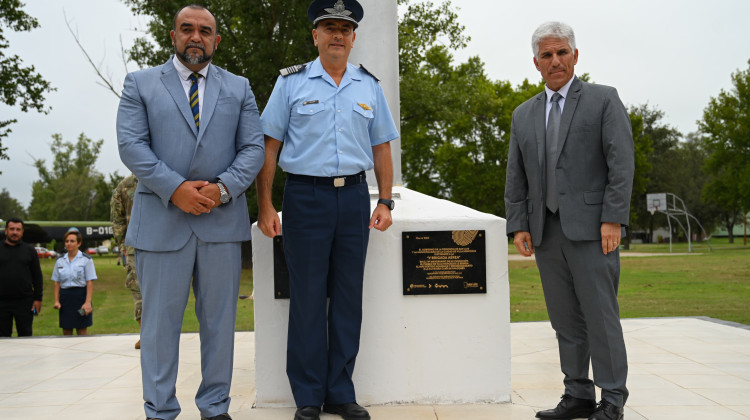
[[567, 198], [191, 133]]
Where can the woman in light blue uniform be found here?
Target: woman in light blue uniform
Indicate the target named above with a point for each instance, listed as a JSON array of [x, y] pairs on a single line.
[[74, 277]]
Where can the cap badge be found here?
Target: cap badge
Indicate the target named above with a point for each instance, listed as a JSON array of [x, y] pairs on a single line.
[[338, 9]]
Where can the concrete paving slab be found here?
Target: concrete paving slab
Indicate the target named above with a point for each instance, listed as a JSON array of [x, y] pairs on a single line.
[[680, 368]]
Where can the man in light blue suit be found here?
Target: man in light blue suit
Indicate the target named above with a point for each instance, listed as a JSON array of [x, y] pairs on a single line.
[[191, 133]]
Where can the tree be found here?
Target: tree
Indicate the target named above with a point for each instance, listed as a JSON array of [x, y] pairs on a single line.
[[666, 162], [455, 122], [656, 162], [258, 38], [10, 207], [691, 158], [726, 135], [19, 85], [643, 147], [72, 189]]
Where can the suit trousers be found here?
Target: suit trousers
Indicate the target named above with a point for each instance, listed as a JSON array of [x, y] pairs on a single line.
[[165, 280], [580, 288], [325, 233]]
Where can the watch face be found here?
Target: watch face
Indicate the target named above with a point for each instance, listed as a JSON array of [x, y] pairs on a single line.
[[224, 196], [389, 203]]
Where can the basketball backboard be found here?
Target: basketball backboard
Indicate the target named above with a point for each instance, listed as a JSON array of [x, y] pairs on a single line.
[[656, 202]]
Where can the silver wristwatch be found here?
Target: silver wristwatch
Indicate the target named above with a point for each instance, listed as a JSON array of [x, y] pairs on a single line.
[[224, 197]]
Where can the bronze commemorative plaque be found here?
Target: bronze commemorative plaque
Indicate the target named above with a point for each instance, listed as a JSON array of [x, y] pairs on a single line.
[[444, 262]]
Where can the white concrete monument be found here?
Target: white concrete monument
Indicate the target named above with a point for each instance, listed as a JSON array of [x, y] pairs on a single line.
[[424, 349]]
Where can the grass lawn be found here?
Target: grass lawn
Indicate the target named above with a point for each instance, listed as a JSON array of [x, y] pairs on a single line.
[[113, 303], [714, 284]]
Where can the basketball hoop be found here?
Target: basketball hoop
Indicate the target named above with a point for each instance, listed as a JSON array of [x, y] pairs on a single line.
[[655, 201]]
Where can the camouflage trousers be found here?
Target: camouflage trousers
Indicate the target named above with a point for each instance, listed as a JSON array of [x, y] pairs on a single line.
[[131, 282]]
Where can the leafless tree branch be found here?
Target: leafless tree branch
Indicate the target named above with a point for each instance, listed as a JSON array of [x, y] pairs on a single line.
[[123, 56], [106, 81]]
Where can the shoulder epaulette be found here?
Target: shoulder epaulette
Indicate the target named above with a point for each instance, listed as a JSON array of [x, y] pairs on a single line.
[[368, 72], [286, 71], [85, 255]]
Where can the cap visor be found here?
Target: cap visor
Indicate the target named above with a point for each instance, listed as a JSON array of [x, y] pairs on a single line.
[[338, 17]]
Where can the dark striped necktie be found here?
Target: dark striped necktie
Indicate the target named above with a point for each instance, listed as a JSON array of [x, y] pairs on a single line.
[[193, 95]]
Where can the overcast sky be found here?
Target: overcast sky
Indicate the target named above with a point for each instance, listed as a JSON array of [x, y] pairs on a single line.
[[672, 54]]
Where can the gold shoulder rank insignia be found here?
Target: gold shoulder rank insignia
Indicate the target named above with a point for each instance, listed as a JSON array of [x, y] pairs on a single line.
[[368, 72], [364, 106], [286, 71]]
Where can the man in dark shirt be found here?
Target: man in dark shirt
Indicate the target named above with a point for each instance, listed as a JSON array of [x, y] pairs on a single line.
[[20, 281]]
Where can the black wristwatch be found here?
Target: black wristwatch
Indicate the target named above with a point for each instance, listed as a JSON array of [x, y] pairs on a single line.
[[388, 203]]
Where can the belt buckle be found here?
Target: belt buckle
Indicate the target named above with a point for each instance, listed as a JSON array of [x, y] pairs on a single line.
[[339, 182]]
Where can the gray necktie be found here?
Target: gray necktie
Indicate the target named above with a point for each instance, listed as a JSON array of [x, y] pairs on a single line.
[[553, 130]]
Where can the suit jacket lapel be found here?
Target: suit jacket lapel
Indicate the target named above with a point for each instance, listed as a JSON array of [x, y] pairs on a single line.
[[571, 102], [540, 127], [210, 96], [171, 80]]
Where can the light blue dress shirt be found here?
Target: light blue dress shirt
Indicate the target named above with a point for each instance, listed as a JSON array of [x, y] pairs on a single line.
[[74, 273], [328, 130]]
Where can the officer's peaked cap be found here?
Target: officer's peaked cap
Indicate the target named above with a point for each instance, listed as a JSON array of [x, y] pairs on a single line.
[[349, 10]]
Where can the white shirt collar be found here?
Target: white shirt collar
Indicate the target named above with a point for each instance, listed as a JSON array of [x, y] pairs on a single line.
[[563, 90], [185, 72]]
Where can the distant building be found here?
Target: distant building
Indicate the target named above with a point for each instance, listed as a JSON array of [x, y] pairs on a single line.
[[739, 229]]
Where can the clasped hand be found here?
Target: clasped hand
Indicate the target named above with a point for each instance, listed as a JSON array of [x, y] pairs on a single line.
[[196, 197]]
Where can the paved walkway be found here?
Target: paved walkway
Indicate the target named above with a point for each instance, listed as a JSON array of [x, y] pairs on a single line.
[[680, 368]]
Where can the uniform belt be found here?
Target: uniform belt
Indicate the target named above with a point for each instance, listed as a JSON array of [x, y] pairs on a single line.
[[333, 181]]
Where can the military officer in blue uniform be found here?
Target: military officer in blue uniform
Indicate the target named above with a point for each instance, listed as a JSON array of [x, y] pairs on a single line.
[[334, 123]]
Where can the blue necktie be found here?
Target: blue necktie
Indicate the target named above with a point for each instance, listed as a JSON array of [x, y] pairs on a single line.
[[553, 131], [193, 95]]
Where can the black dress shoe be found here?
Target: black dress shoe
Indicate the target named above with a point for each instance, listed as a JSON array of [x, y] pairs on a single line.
[[569, 408], [607, 411], [224, 416], [307, 413], [349, 411]]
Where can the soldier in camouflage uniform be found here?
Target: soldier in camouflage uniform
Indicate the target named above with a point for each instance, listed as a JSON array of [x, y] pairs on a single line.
[[120, 206]]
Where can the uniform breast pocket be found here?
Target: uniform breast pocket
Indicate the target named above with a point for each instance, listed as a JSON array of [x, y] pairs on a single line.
[[79, 272], [363, 110], [310, 109]]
